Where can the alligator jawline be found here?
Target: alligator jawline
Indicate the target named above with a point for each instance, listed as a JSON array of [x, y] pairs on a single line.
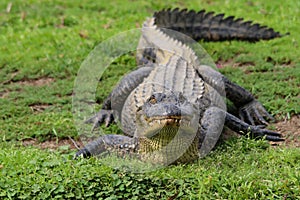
[[167, 127], [168, 120]]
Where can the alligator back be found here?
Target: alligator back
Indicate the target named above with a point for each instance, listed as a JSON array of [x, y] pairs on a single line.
[[173, 72]]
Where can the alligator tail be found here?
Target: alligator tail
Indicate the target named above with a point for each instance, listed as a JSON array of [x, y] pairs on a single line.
[[207, 26]]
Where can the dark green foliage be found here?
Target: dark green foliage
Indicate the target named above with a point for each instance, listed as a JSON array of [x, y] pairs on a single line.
[[241, 168]]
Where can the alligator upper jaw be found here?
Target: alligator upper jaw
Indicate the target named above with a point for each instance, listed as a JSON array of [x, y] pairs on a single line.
[[169, 125], [168, 120]]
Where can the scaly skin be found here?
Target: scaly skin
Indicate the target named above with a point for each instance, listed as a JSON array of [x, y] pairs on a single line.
[[210, 27], [172, 108]]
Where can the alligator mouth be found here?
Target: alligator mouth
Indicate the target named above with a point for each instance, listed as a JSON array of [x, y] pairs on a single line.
[[169, 120], [169, 125]]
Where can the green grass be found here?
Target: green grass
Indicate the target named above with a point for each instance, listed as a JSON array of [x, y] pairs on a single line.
[[42, 45], [239, 169]]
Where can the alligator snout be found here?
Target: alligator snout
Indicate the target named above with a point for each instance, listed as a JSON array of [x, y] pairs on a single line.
[[171, 110]]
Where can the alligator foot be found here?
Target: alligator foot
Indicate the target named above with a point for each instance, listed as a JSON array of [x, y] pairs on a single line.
[[103, 116], [257, 132], [108, 144], [242, 127], [254, 113], [82, 153]]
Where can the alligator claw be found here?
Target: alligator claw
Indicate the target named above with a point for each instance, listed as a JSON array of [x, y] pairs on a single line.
[[82, 153], [103, 116], [268, 134], [254, 113]]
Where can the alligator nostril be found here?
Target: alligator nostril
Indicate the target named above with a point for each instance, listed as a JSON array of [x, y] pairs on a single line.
[[172, 110]]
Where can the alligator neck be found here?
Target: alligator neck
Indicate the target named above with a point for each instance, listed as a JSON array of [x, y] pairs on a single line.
[[169, 148]]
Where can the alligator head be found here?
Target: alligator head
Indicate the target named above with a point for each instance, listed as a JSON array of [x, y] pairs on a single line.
[[168, 124]]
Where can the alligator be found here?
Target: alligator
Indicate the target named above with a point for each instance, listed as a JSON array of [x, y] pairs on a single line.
[[172, 108]]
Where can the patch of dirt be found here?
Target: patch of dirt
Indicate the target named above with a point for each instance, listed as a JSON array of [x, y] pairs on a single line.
[[37, 82], [39, 107], [244, 65], [4, 94], [31, 82], [231, 63], [52, 144], [290, 129]]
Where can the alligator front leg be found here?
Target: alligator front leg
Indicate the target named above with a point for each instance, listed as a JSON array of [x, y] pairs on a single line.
[[249, 109], [108, 144], [102, 116], [211, 126], [114, 103]]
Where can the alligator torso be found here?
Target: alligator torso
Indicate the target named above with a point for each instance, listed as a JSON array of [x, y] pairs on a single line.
[[172, 108]]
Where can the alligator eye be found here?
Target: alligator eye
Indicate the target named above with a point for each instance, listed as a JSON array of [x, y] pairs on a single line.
[[152, 100], [139, 108]]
